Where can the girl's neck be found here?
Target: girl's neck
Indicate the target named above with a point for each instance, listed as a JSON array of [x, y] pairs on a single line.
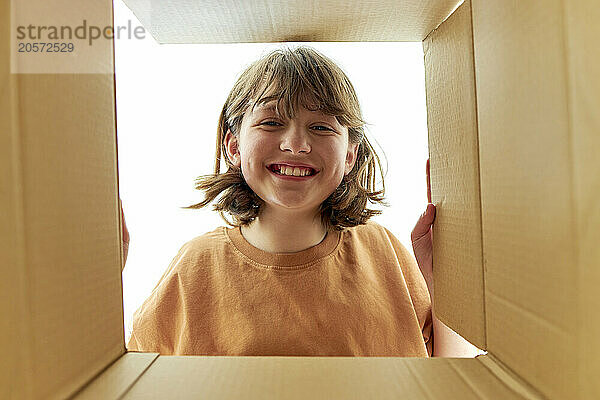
[[284, 233]]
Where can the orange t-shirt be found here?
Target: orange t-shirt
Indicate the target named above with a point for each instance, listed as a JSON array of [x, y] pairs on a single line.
[[357, 293]]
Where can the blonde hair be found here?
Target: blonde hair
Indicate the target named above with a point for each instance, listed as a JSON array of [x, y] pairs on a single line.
[[293, 77]]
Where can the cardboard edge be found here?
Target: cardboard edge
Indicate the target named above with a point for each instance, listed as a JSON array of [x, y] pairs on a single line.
[[509, 378], [483, 268], [114, 74], [581, 31], [16, 379], [142, 10], [468, 381], [442, 21], [455, 26], [118, 377], [143, 15]]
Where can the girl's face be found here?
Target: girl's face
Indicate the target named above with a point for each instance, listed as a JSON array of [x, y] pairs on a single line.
[[311, 138]]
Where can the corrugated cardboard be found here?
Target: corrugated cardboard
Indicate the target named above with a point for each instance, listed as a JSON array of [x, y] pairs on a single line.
[[62, 308], [454, 165], [583, 31], [119, 377], [513, 130], [61, 275], [189, 21], [36, 19], [319, 378], [539, 189]]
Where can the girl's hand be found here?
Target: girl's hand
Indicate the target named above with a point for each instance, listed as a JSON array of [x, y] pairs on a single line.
[[422, 238], [125, 236]]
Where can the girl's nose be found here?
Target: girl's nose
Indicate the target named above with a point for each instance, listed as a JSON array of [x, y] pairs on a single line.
[[295, 139]]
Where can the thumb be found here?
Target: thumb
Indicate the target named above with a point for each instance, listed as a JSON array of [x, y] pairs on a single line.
[[424, 223]]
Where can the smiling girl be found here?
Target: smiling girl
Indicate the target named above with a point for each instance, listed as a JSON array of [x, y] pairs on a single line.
[[301, 270]]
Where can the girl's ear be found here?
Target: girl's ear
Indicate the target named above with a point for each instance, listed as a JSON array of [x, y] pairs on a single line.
[[351, 157], [232, 147]]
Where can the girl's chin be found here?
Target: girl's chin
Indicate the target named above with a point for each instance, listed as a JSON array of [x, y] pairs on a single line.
[[289, 206]]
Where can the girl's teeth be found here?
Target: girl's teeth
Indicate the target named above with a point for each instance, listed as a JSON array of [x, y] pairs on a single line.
[[284, 170]]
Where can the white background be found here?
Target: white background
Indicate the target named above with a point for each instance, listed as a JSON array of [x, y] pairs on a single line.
[[168, 102]]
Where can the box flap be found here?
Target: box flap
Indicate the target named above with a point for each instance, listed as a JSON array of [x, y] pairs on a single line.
[[64, 282], [583, 32], [118, 378], [13, 302], [188, 21], [538, 100], [61, 277], [509, 378], [454, 160], [319, 378]]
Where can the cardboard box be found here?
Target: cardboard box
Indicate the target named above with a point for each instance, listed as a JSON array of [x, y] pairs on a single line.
[[513, 93]]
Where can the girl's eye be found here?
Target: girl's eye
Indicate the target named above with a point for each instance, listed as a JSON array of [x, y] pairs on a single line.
[[271, 123], [324, 128]]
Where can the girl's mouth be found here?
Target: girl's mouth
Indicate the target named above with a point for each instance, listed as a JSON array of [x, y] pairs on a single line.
[[291, 177]]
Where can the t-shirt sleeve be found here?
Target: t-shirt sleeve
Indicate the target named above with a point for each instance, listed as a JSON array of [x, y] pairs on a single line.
[[417, 288], [155, 321]]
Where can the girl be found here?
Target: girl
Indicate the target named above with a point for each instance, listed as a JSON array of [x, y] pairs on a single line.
[[301, 270]]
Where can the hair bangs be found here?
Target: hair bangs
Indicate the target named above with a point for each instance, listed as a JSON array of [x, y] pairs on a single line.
[[299, 79]]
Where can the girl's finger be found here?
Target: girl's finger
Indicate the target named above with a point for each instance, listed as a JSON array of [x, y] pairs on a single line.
[[423, 225], [428, 182], [124, 230]]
